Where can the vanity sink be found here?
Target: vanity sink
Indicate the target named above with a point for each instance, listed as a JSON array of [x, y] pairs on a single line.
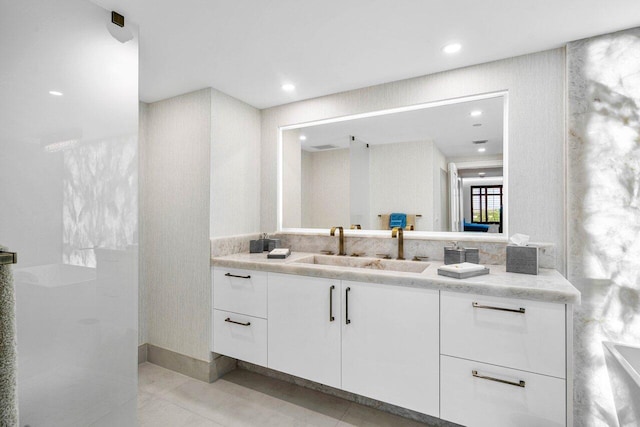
[[367, 263]]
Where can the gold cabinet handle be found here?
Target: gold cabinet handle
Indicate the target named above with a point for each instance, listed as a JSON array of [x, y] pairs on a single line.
[[489, 307], [498, 380]]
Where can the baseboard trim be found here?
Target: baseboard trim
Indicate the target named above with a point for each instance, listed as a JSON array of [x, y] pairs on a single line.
[[142, 353], [186, 365], [386, 407]]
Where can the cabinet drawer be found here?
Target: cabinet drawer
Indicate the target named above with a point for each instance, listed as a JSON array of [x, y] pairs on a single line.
[[474, 327], [480, 401], [245, 340], [240, 291]]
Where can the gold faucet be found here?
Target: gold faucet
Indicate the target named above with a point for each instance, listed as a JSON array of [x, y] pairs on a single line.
[[341, 239], [398, 232]]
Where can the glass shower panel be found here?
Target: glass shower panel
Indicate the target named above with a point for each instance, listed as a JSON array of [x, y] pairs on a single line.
[[69, 198]]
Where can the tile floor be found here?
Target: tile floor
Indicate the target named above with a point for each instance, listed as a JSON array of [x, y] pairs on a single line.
[[243, 398]]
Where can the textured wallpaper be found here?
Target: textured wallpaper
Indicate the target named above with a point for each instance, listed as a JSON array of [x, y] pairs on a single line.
[[604, 210]]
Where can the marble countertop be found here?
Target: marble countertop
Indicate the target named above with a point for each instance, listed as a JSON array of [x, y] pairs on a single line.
[[549, 285]]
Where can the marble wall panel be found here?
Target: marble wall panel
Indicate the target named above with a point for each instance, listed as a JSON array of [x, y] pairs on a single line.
[[603, 210]]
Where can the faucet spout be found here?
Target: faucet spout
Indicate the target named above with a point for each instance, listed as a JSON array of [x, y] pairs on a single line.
[[399, 233], [332, 232]]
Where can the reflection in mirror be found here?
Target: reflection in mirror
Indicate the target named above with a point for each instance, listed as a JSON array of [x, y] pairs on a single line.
[[434, 167]]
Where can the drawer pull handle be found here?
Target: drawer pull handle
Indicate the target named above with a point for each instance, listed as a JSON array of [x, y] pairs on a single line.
[[498, 380], [239, 277], [331, 318], [228, 319], [489, 307], [346, 306]]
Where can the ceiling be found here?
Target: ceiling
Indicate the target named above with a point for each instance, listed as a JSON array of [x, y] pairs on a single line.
[[57, 51], [250, 48], [450, 127]]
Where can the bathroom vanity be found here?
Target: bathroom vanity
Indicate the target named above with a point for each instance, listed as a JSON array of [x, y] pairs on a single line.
[[492, 350]]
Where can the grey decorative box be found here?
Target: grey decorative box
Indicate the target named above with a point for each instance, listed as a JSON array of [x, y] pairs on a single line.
[[466, 275], [256, 246], [472, 255], [453, 255], [272, 244], [522, 259]]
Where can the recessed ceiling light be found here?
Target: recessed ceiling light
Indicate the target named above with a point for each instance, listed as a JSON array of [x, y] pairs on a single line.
[[55, 93], [303, 138], [475, 113], [452, 48], [288, 87], [481, 150], [482, 174]]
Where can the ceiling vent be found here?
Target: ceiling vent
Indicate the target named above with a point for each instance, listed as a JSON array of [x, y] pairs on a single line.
[[324, 147], [481, 141]]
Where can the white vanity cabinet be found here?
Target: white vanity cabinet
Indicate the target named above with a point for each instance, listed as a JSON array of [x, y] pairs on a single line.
[[390, 344], [304, 327], [474, 360], [239, 314], [503, 361]]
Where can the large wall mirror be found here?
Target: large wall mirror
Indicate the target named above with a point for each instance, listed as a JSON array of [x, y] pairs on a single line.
[[429, 168]]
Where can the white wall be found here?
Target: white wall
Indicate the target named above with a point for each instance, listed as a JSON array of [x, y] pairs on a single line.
[[401, 176], [200, 178], [536, 132], [235, 166], [359, 184], [175, 218], [327, 192], [292, 181], [440, 206]]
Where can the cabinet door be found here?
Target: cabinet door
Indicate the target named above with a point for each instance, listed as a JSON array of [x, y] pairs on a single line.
[[390, 344], [303, 340]]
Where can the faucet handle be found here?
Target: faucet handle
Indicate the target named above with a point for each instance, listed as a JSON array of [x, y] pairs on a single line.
[[384, 256], [357, 254], [327, 252]]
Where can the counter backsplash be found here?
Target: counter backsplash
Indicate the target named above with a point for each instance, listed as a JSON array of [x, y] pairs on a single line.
[[490, 252]]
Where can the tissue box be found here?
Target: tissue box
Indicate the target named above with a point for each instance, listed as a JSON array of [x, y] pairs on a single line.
[[454, 256], [522, 259]]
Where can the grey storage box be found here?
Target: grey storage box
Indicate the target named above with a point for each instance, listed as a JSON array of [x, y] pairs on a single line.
[[472, 255], [522, 259], [453, 255], [256, 246], [272, 244]]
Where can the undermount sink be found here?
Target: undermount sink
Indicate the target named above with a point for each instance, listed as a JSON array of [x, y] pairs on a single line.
[[368, 263]]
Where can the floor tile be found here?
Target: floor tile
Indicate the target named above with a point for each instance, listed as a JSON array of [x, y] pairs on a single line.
[[300, 402], [244, 398], [158, 412], [360, 415], [230, 404], [156, 380]]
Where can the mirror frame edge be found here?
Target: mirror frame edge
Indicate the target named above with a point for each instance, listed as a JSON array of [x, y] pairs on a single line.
[[426, 235]]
